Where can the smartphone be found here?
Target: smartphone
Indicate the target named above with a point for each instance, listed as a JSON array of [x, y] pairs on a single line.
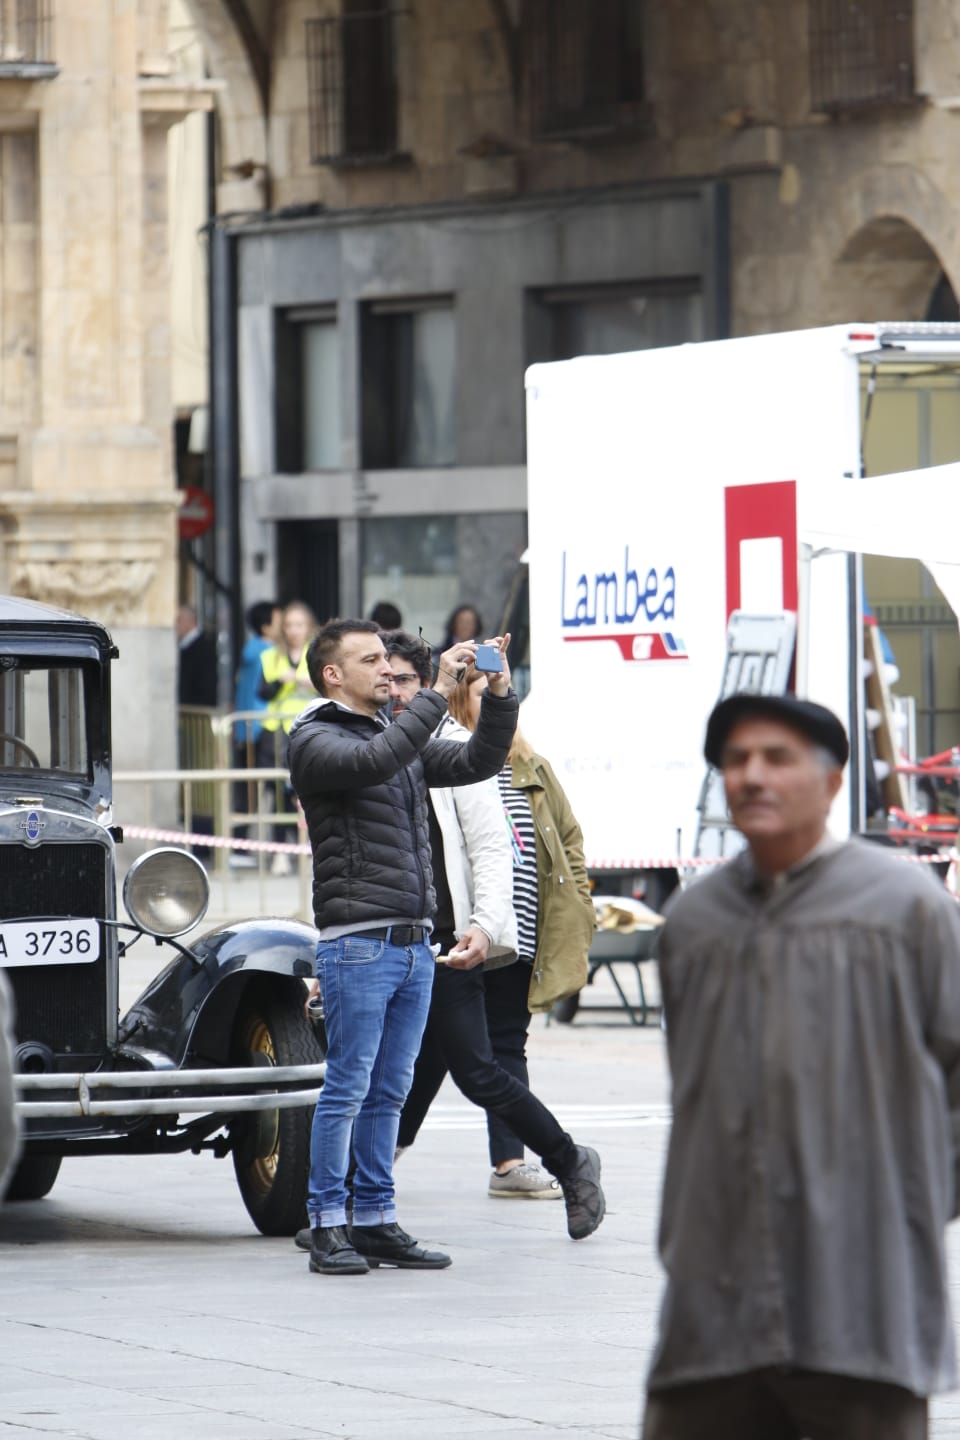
[[489, 659]]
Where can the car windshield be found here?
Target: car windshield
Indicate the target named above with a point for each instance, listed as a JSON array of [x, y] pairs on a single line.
[[43, 721]]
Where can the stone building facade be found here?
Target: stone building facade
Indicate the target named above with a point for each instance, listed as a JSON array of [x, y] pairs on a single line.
[[415, 198], [444, 190], [87, 495]]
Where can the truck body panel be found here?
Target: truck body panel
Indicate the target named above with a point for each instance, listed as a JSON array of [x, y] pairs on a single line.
[[640, 546]]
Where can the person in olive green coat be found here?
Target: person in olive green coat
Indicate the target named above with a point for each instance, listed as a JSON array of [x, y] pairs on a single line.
[[555, 923]]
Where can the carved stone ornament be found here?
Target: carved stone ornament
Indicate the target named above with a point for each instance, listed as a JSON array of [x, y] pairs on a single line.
[[109, 591]]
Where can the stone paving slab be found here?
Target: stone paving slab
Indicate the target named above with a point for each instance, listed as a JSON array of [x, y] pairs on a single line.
[[138, 1300]]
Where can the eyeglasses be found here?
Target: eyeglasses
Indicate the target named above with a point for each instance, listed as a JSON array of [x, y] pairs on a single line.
[[403, 678]]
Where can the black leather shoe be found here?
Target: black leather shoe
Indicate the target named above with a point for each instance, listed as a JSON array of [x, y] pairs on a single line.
[[586, 1205], [389, 1245], [331, 1252], [302, 1237]]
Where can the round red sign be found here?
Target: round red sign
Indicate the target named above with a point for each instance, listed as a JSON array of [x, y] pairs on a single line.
[[196, 513]]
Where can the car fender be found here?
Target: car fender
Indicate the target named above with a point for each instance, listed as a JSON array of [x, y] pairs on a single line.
[[187, 1012]]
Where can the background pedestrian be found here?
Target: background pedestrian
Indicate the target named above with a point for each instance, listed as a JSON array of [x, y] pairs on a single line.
[[286, 688], [475, 926], [555, 921]]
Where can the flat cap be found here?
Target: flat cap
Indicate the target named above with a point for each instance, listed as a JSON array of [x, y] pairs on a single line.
[[814, 721]]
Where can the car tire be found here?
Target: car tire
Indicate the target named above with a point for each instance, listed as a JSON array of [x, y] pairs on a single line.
[[271, 1153], [33, 1178], [565, 1010]]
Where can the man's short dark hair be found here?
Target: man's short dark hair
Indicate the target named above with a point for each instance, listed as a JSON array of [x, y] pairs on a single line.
[[324, 648], [386, 615], [260, 615], [416, 652]]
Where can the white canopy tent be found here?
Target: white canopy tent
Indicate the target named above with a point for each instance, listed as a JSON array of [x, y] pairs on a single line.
[[912, 514]]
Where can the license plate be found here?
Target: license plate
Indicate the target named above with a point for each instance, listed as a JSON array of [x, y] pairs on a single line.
[[49, 942]]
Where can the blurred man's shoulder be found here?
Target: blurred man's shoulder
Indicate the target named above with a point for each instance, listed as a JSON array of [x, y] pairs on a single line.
[[706, 887]]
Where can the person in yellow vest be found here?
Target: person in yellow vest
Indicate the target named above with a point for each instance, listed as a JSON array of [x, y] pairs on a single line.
[[286, 687]]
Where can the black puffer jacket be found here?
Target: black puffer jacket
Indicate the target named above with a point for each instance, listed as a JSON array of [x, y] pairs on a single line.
[[363, 788]]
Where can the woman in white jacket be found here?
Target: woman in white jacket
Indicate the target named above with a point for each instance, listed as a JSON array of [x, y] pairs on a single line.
[[475, 927]]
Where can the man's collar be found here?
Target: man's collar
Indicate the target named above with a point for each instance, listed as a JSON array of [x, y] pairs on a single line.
[[760, 882], [378, 719]]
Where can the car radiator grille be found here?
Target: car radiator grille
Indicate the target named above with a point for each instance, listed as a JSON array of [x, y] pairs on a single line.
[[62, 1006]]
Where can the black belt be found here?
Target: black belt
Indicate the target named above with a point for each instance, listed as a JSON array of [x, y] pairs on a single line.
[[396, 934]]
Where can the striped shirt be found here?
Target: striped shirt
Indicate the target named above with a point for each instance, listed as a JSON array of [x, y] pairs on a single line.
[[519, 818]]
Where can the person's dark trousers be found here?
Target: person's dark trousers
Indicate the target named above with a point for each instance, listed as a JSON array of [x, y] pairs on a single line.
[[781, 1404], [244, 792], [508, 1021], [456, 1032], [429, 1074], [270, 753]]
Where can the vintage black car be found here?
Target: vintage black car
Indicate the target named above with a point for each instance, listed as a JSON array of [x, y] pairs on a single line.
[[217, 1053]]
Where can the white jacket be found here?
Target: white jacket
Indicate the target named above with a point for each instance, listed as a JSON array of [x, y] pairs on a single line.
[[477, 856]]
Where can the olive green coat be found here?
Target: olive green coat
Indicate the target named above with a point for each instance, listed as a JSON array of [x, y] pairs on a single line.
[[565, 914]]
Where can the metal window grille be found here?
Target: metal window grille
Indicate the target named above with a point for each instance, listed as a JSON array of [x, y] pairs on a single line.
[[352, 86], [26, 28], [861, 53], [584, 64]]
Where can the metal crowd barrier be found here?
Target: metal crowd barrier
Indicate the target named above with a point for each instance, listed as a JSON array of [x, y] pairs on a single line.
[[232, 816]]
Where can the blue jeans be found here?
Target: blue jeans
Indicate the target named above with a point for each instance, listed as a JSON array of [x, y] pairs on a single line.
[[376, 998]]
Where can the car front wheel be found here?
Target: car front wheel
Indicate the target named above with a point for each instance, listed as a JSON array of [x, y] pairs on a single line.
[[271, 1153], [33, 1178]]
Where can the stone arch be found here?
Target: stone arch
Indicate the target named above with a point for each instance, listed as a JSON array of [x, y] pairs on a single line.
[[242, 183], [889, 248], [888, 270]]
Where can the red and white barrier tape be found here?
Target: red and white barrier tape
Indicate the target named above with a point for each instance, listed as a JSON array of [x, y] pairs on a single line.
[[689, 862], [214, 842], [696, 862]]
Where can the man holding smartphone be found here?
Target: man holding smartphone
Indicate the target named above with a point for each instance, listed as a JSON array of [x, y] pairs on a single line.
[[476, 927], [363, 787]]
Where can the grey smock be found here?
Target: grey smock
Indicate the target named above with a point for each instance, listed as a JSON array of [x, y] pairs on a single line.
[[813, 1028]]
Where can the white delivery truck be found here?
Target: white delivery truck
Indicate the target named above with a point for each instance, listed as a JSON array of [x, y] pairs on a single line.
[[670, 489]]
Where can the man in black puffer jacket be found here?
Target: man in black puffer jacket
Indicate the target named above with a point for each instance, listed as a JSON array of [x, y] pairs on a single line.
[[363, 787]]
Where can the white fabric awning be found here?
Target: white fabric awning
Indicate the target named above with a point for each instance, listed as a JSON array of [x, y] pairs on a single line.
[[914, 514]]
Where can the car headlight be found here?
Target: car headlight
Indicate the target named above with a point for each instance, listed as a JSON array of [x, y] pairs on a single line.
[[166, 892]]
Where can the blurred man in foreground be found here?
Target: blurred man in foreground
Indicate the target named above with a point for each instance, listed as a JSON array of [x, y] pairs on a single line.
[[812, 999]]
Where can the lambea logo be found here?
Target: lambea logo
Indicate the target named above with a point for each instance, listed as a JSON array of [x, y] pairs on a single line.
[[616, 604]]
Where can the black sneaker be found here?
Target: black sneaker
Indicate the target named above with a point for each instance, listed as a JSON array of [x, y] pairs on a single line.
[[389, 1245], [331, 1253], [586, 1205]]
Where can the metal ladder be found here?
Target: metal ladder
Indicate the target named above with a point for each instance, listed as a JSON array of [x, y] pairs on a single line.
[[759, 658]]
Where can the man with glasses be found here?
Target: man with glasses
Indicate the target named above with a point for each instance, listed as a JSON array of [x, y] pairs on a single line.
[[475, 923]]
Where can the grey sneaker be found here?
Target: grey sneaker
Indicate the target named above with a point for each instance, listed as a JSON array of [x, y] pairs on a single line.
[[586, 1205], [524, 1182]]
